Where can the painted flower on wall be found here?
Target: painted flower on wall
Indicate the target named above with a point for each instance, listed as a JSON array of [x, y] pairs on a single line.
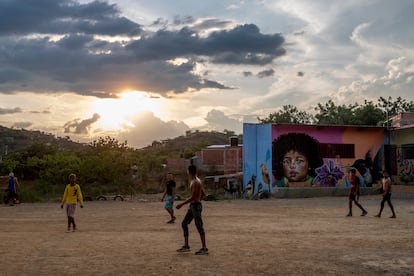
[[328, 175]]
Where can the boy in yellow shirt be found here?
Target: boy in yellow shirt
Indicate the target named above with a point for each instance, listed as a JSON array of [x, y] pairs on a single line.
[[71, 196]]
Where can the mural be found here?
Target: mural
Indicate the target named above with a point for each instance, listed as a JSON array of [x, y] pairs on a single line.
[[295, 158], [291, 156], [405, 167]]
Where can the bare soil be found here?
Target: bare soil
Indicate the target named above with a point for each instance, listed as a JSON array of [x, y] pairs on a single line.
[[309, 236]]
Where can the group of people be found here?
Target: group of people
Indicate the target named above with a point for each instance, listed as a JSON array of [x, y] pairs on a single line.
[[73, 194], [354, 194]]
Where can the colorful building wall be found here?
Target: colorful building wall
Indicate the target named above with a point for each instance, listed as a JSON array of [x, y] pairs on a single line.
[[309, 156], [402, 141]]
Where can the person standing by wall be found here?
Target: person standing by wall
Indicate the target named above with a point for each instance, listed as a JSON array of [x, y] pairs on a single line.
[[194, 211], [386, 195], [71, 196], [354, 193], [169, 195]]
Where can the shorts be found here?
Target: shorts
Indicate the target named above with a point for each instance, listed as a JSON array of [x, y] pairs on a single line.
[[352, 196], [70, 210], [168, 205]]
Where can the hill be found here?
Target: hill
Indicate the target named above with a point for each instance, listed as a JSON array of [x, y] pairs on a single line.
[[15, 140]]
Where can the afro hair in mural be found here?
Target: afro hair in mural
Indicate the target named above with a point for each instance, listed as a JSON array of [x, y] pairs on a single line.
[[295, 158]]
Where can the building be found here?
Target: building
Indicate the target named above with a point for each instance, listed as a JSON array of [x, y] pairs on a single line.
[[298, 156], [400, 148]]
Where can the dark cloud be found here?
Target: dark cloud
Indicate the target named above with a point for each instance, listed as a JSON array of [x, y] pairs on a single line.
[[247, 74], [180, 20], [241, 45], [300, 74], [78, 62], [4, 111], [74, 42], [21, 17], [81, 127], [266, 73]]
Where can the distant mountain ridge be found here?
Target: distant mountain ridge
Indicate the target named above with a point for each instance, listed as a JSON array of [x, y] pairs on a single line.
[[18, 139]]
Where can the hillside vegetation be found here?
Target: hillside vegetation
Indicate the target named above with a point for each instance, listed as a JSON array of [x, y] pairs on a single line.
[[42, 162]]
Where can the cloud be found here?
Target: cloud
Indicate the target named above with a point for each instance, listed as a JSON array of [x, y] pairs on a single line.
[[62, 16], [266, 73], [219, 121], [81, 127], [22, 125], [4, 111], [64, 46], [148, 128], [397, 80]]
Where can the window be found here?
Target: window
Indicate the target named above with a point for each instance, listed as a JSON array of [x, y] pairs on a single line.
[[407, 151], [337, 150]]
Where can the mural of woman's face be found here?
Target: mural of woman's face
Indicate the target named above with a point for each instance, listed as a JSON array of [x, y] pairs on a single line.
[[295, 166]]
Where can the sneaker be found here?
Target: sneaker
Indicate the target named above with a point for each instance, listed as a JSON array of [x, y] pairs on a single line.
[[68, 230], [393, 216], [349, 215], [202, 251], [170, 221], [184, 249], [364, 214], [377, 216]]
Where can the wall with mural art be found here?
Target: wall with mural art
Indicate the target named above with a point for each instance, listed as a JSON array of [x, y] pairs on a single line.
[[291, 156], [403, 145]]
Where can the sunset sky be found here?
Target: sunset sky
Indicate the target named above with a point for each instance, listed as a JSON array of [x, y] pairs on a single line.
[[150, 70]]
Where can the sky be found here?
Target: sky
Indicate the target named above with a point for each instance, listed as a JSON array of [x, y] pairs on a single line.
[[143, 71]]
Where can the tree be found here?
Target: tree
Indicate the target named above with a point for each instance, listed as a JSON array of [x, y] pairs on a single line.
[[369, 115], [289, 114], [331, 114], [392, 108]]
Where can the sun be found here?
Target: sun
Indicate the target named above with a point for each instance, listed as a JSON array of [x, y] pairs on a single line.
[[116, 114]]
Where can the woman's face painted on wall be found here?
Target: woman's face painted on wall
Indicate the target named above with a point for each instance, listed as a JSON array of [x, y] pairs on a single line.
[[295, 166]]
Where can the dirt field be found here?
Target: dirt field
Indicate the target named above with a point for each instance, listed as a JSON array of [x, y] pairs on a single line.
[[264, 237]]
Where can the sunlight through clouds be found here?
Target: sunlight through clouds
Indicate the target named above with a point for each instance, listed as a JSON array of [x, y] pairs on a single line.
[[116, 114]]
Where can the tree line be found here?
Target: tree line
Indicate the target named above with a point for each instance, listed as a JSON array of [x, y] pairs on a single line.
[[369, 113], [104, 166]]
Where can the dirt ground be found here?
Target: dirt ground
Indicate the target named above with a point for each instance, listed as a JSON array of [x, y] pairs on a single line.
[[309, 236]]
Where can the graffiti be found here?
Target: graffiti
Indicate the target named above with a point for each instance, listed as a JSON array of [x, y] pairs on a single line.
[[329, 175], [295, 158], [290, 156], [406, 170]]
